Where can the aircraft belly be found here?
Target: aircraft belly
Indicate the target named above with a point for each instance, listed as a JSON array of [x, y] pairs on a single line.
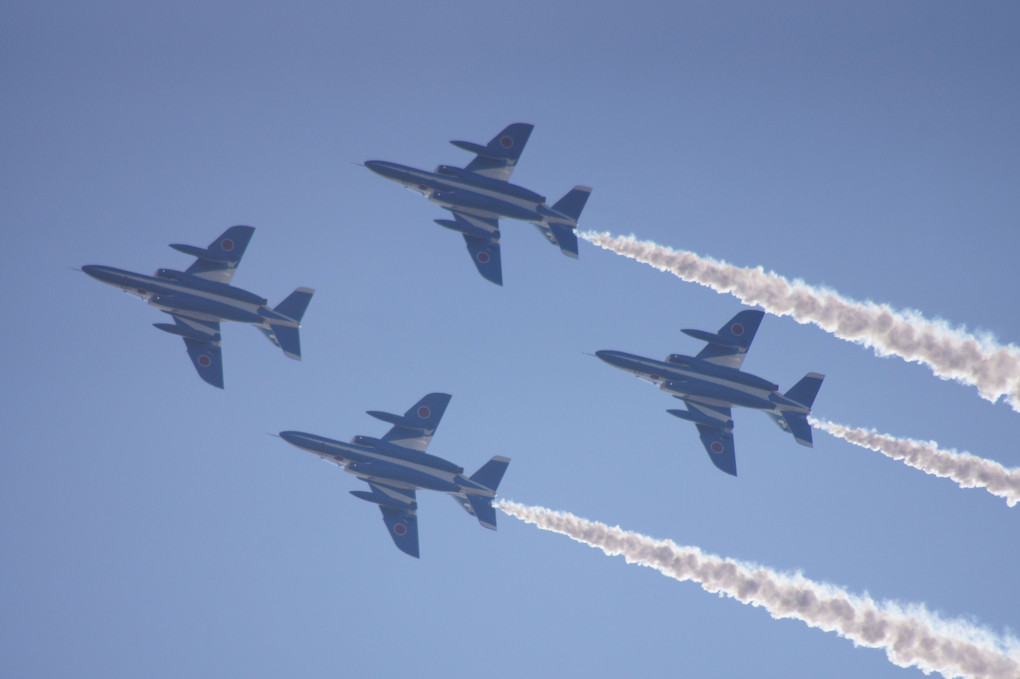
[[716, 394]]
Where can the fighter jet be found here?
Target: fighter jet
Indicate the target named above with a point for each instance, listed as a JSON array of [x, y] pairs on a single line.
[[479, 194], [397, 465], [711, 383], [201, 297]]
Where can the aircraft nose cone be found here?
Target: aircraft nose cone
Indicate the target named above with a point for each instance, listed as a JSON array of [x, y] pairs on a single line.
[[294, 438], [101, 273], [609, 357], [92, 270], [376, 166]]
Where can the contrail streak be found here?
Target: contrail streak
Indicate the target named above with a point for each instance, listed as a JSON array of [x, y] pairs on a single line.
[[969, 471], [910, 636], [951, 353]]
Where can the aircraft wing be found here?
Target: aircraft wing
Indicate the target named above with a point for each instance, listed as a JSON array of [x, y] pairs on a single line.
[[498, 158], [481, 235], [729, 346], [202, 339], [219, 261], [401, 521], [414, 429], [715, 427]]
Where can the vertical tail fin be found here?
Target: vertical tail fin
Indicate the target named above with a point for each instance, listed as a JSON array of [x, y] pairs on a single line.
[[295, 304], [490, 474], [288, 337], [573, 202], [804, 392]]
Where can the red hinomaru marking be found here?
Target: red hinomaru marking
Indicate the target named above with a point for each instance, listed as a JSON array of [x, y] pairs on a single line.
[[227, 244], [424, 412], [483, 257], [506, 142], [399, 529], [716, 447], [204, 361], [737, 329]]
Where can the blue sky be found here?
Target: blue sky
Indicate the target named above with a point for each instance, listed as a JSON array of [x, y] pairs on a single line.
[[148, 526]]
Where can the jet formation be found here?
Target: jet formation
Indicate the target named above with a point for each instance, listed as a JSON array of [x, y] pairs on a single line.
[[711, 383], [396, 466], [479, 194], [201, 297]]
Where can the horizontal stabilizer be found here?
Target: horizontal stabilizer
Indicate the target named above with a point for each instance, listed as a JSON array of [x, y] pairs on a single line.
[[804, 392], [566, 239], [288, 339], [798, 425], [483, 510], [491, 473]]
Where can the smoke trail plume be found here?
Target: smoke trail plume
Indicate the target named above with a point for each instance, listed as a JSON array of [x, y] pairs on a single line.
[[952, 354], [970, 471], [910, 636]]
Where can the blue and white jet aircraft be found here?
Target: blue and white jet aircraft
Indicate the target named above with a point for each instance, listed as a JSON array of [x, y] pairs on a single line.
[[397, 465], [712, 382], [480, 194], [201, 297]]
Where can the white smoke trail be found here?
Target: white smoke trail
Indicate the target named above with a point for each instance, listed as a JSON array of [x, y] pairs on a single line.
[[952, 354], [970, 471], [909, 636]]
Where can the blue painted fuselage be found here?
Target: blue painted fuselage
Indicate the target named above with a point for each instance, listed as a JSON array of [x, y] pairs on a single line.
[[705, 382], [468, 192], [373, 459], [199, 298]]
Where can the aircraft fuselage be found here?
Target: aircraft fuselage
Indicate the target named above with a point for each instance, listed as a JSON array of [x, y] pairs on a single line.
[[192, 296], [714, 385], [370, 458], [471, 193]]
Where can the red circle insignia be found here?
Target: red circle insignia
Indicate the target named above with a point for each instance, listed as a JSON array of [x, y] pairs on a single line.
[[737, 329], [400, 529], [506, 142], [204, 361], [424, 412], [483, 257], [716, 447], [227, 244]]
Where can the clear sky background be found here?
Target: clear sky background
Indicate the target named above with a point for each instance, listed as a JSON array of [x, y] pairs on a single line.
[[150, 527]]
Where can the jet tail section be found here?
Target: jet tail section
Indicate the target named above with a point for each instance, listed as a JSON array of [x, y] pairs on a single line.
[[490, 475], [573, 203], [804, 392], [797, 424], [287, 337]]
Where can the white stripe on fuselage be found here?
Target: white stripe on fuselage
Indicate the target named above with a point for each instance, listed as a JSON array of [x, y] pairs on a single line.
[[382, 457], [456, 184], [175, 286], [655, 368]]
